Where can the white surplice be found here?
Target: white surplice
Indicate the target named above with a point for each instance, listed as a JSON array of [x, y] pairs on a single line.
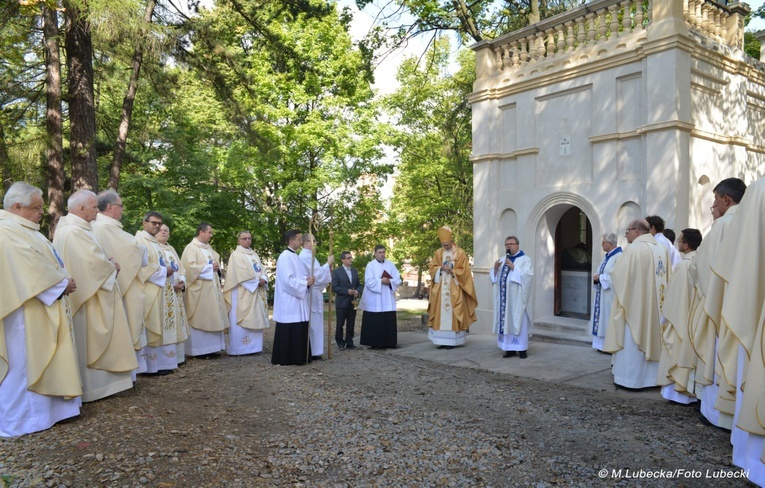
[[323, 277]]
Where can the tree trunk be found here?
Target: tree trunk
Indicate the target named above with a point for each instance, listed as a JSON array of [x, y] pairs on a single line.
[[82, 111], [127, 106], [55, 151], [4, 161]]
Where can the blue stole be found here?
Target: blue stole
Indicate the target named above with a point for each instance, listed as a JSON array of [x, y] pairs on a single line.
[[598, 289], [503, 291]]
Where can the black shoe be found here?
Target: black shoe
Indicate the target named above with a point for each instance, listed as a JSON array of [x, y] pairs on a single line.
[[523, 355], [212, 355], [164, 372], [441, 347], [349, 345], [341, 345], [509, 354], [316, 358]]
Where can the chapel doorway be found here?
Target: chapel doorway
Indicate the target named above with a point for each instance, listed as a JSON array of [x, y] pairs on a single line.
[[573, 265]]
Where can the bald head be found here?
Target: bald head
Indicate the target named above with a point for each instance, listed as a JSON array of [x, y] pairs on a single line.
[[637, 228]]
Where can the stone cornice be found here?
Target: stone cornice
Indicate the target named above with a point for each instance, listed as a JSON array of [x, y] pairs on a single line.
[[722, 139], [511, 155], [614, 136], [669, 125]]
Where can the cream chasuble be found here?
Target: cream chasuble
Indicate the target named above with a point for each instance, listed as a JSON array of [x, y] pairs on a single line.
[[677, 364], [97, 303], [703, 333], [639, 282], [154, 278], [30, 267], [205, 307], [243, 278], [743, 309], [131, 256]]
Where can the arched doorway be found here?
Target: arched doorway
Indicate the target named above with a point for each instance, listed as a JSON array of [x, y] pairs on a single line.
[[573, 265], [548, 239]]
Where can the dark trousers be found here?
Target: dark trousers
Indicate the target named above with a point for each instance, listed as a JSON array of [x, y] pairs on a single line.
[[345, 317]]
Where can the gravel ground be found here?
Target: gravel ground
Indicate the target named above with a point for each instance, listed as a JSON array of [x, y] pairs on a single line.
[[365, 418]]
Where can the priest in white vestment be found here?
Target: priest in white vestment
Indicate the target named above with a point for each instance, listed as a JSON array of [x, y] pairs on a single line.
[[158, 275], [603, 294], [39, 380], [104, 344], [452, 300], [710, 289], [657, 231], [323, 277], [246, 298], [205, 308], [291, 312], [174, 289], [379, 329], [742, 350], [634, 328], [677, 363], [512, 278], [132, 257]]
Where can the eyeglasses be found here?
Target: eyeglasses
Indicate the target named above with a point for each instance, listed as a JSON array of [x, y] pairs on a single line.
[[152, 222], [630, 229], [117, 205]]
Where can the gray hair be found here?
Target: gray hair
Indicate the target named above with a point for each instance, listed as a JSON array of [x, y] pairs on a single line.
[[79, 198], [610, 237], [106, 198], [20, 192]]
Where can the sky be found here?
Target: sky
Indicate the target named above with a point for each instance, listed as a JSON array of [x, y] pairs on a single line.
[[756, 24]]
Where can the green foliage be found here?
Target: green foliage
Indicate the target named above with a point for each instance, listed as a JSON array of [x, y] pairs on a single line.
[[433, 137], [257, 114], [22, 75], [303, 146], [751, 45]]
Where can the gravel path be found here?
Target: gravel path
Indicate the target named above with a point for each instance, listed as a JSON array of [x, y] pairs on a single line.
[[365, 418]]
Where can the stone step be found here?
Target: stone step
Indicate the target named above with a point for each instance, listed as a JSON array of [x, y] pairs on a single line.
[[562, 330], [562, 338]]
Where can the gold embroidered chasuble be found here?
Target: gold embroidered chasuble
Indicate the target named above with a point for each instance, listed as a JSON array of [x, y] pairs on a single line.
[[97, 302], [30, 267], [205, 308], [175, 318], [252, 308], [459, 289]]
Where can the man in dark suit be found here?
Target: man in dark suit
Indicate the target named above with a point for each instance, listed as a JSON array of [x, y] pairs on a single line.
[[346, 285]]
